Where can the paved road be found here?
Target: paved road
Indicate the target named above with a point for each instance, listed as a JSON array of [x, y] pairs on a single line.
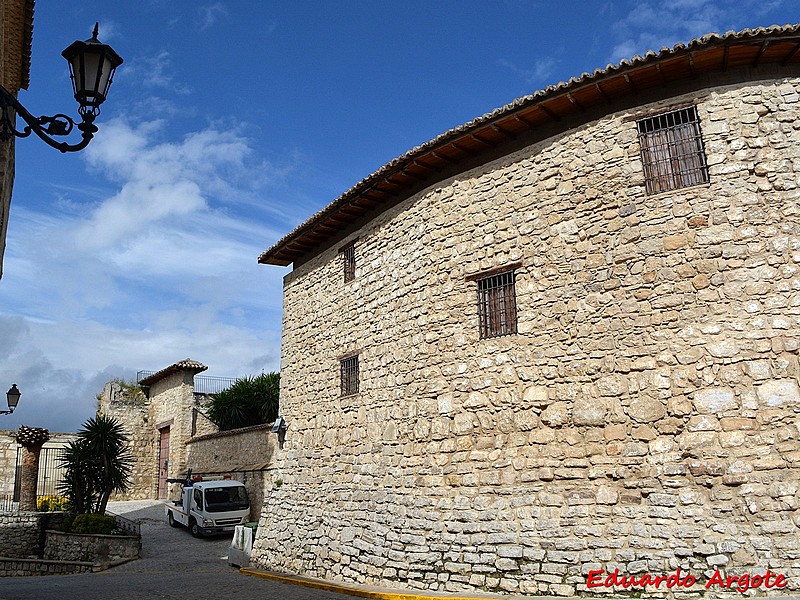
[[173, 565]]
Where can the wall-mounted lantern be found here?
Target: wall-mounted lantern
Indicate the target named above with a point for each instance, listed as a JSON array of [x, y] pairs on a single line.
[[12, 397], [280, 428], [91, 67]]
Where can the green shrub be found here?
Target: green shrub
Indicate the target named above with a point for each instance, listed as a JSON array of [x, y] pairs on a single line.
[[91, 523], [249, 401]]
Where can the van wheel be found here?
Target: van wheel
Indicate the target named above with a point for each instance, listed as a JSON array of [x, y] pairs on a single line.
[[195, 528], [172, 521]]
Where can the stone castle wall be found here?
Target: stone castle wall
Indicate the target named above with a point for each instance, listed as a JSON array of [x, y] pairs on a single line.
[[132, 409], [644, 417], [246, 454]]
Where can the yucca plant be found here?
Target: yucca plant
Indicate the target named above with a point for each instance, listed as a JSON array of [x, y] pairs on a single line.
[[249, 401], [96, 465]]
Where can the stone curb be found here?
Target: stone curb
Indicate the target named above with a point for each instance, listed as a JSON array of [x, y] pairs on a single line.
[[376, 593]]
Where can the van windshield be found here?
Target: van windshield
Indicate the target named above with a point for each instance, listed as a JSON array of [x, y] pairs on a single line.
[[221, 499]]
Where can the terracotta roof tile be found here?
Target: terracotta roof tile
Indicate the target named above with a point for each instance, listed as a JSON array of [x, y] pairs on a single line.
[[187, 364]]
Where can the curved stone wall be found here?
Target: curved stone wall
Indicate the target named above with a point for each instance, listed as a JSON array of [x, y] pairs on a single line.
[[643, 418]]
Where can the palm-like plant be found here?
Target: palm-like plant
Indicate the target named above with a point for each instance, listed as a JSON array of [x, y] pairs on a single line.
[[96, 465], [249, 401]]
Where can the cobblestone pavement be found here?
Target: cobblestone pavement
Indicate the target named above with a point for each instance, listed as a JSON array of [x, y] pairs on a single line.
[[173, 565]]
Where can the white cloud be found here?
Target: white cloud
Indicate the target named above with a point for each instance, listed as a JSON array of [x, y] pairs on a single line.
[[160, 268], [539, 73], [650, 25], [208, 15]]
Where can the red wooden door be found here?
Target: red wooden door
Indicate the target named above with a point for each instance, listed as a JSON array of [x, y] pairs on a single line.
[[163, 462]]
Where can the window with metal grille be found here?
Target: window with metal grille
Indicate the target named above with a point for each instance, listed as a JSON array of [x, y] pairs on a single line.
[[497, 305], [349, 375], [672, 151], [349, 259]]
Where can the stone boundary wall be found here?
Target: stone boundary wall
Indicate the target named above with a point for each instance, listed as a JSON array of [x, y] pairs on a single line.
[[22, 533], [644, 417], [20, 567], [95, 548], [246, 454]]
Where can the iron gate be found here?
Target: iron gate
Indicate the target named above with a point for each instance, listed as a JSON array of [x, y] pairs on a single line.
[[50, 472]]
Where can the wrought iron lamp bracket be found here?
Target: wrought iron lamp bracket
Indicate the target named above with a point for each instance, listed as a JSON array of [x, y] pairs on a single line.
[[44, 127]]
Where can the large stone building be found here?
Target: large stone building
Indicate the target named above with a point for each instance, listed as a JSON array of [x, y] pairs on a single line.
[[16, 32], [560, 338]]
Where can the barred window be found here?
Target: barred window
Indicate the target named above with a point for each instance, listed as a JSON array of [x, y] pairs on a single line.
[[497, 305], [349, 375], [349, 260], [672, 151]]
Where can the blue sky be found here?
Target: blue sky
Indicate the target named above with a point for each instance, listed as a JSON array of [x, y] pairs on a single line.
[[230, 123]]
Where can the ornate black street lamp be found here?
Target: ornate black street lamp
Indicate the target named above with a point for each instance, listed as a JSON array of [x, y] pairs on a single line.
[[91, 68], [12, 397]]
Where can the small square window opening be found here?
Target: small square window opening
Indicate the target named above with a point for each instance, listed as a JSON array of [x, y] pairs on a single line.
[[497, 305], [672, 149], [349, 375]]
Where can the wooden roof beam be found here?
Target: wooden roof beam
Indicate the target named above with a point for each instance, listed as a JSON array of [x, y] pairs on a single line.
[[503, 132], [419, 163], [725, 58], [384, 190], [300, 245], [605, 96], [352, 212], [523, 120], [548, 112], [365, 200], [464, 150], [575, 102], [475, 137], [413, 175], [690, 57], [627, 79], [791, 55], [761, 51], [661, 74], [444, 157]]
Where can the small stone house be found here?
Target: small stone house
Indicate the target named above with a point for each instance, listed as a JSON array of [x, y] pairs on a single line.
[[159, 422], [560, 339]]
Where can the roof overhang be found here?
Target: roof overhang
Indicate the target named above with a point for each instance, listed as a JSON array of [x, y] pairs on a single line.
[[186, 364], [434, 160]]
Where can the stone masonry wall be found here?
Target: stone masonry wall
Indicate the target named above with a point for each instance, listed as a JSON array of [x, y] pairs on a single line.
[[132, 409], [22, 533], [172, 399], [246, 454], [94, 548], [645, 417]]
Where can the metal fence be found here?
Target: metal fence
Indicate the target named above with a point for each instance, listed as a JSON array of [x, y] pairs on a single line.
[[51, 472], [203, 384], [7, 503], [132, 527]]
